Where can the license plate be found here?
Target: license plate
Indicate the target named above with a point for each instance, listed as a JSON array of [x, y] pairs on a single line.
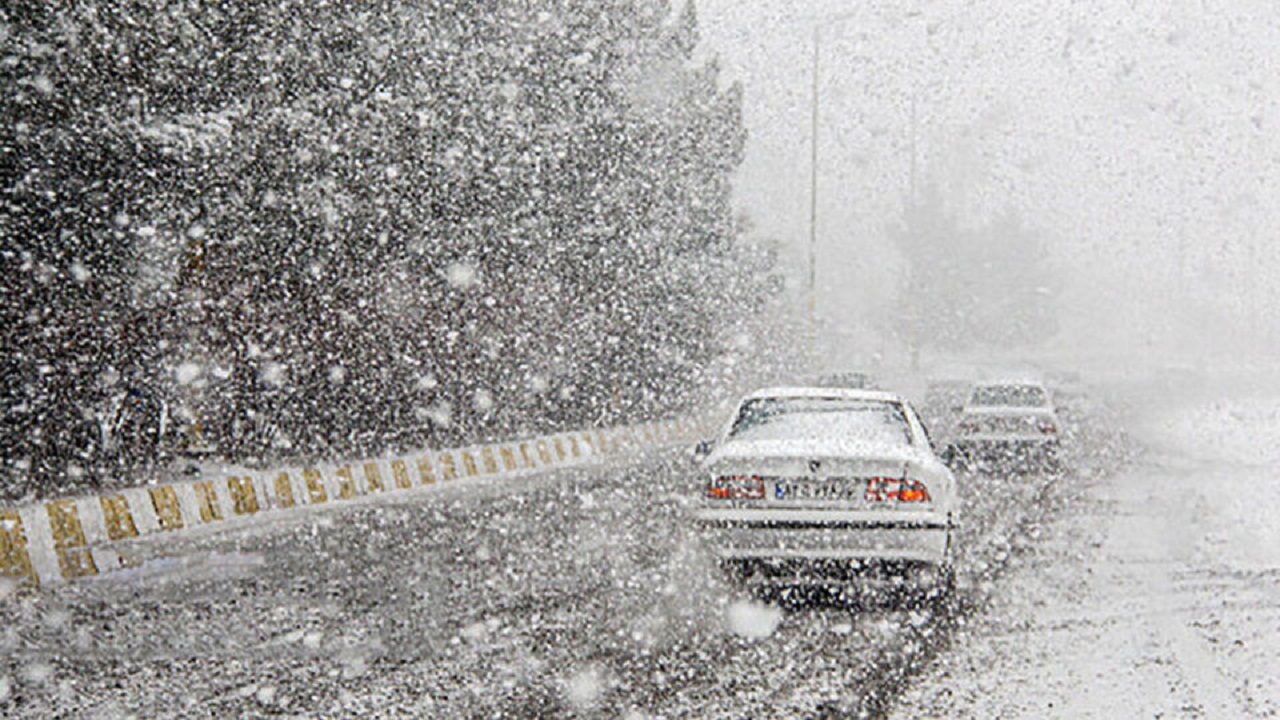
[[820, 490]]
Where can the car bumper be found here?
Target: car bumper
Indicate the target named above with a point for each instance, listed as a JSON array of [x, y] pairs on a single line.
[[844, 539]]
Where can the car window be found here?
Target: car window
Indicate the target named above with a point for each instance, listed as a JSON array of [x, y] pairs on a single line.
[[1010, 396], [928, 436], [1008, 424], [811, 418]]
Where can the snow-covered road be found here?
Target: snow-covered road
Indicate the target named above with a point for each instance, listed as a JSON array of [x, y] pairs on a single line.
[[1156, 595], [578, 592]]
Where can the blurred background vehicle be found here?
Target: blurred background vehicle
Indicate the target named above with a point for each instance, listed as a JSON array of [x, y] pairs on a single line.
[[1008, 425], [851, 379]]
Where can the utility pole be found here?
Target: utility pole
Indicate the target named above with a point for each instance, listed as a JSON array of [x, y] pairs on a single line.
[[914, 133], [814, 114], [813, 193], [917, 320]]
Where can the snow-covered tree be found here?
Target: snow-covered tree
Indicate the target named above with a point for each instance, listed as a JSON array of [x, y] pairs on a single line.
[[323, 228]]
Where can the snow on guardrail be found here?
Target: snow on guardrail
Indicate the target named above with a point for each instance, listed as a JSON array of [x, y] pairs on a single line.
[[60, 540]]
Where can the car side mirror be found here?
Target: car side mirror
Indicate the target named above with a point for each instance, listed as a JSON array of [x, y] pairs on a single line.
[[948, 455], [701, 451]]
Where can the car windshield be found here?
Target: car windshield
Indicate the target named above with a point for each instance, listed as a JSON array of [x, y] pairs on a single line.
[[814, 418], [1009, 396], [1008, 424]]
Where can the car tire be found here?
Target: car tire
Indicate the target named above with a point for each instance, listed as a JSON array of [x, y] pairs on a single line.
[[941, 597]]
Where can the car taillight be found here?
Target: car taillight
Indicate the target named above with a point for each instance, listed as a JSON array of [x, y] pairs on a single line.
[[903, 490], [913, 491], [736, 487]]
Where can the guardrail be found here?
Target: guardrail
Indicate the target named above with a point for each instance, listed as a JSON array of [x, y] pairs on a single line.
[[60, 540]]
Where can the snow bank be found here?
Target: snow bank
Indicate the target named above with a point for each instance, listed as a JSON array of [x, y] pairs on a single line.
[[1232, 445], [1236, 431]]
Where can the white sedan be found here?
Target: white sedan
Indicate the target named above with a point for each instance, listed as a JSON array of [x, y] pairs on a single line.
[[1008, 425], [824, 486]]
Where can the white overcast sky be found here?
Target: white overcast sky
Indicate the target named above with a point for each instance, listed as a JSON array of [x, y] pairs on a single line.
[[1142, 134]]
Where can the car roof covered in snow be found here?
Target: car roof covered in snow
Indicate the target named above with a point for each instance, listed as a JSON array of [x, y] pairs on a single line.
[[1022, 380], [824, 392]]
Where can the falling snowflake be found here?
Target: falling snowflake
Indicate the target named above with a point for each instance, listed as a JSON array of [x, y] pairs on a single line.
[[462, 275], [272, 374], [753, 620], [187, 373]]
